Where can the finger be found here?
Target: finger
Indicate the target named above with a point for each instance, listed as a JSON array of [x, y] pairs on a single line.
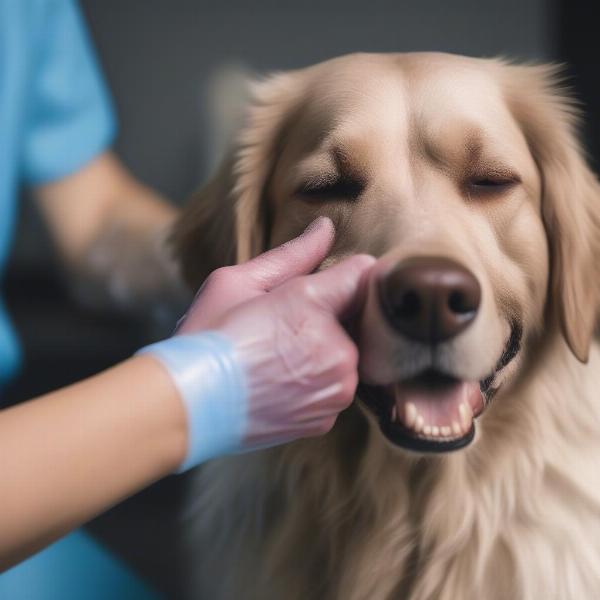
[[299, 256], [342, 288]]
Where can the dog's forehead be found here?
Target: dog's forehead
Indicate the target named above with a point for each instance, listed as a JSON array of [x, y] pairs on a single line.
[[375, 108], [426, 93]]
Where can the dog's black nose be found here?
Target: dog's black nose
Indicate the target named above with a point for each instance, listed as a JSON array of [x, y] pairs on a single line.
[[429, 299]]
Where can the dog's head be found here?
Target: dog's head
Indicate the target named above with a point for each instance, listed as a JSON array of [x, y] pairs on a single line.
[[464, 177]]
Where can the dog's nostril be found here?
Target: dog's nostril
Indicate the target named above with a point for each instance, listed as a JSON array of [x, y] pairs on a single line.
[[409, 306], [460, 304]]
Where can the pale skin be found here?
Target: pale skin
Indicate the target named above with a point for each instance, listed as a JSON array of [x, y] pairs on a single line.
[[71, 454]]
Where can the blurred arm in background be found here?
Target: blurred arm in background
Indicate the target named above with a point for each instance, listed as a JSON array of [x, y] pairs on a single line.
[[111, 231], [108, 226]]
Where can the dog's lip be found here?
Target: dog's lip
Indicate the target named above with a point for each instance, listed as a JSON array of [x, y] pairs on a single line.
[[511, 349]]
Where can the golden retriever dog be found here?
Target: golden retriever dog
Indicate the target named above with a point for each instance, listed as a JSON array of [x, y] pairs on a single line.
[[469, 465]]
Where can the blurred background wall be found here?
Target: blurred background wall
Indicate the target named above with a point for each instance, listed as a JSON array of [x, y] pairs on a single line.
[[160, 58]]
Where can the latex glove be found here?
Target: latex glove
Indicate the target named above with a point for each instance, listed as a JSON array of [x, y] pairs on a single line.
[[274, 363]]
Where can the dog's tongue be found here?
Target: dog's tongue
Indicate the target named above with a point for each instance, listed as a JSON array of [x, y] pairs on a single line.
[[443, 409]]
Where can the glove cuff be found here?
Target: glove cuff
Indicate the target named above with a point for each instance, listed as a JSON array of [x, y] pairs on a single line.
[[212, 387]]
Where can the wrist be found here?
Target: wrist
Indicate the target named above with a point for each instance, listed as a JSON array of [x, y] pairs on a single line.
[[211, 387], [162, 404]]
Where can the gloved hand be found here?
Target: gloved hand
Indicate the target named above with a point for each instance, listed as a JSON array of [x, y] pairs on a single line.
[[272, 363]]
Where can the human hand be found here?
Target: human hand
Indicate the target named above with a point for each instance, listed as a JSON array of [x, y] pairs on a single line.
[[283, 367]]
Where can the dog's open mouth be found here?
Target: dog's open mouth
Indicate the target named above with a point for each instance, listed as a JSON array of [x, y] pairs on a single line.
[[432, 412], [435, 412]]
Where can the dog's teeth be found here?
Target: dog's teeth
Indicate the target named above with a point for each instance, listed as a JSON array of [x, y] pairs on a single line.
[[435, 431], [419, 424], [427, 430], [394, 413], [456, 428], [410, 413], [445, 430], [465, 413]]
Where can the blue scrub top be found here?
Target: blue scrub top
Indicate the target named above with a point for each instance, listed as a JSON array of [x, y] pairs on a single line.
[[55, 114]]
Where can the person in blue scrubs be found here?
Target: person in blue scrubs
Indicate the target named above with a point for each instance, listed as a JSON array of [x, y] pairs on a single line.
[[56, 128], [223, 384]]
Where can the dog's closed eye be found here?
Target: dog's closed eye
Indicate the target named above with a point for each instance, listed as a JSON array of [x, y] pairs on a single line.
[[492, 183], [338, 188]]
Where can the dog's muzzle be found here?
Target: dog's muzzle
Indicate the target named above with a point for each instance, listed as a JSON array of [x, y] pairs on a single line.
[[427, 302]]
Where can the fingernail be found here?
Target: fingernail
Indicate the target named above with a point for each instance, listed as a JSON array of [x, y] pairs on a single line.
[[317, 223], [179, 323], [367, 259]]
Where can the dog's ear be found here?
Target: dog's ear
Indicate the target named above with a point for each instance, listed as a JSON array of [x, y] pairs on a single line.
[[226, 221], [549, 118]]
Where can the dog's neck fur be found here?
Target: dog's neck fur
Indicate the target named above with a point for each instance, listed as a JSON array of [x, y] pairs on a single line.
[[472, 524]]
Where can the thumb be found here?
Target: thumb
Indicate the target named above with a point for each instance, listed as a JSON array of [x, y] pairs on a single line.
[[299, 256], [342, 288]]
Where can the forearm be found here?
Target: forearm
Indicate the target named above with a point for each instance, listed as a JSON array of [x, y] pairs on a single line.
[[111, 230], [102, 194], [72, 454]]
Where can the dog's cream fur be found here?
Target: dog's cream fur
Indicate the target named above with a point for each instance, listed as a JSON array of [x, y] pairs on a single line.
[[516, 515]]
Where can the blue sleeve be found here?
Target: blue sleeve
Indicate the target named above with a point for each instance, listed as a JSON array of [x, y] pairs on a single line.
[[69, 117]]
